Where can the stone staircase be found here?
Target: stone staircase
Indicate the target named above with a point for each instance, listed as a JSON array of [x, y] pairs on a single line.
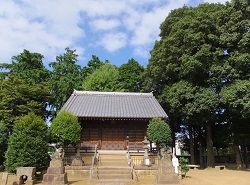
[[112, 168]]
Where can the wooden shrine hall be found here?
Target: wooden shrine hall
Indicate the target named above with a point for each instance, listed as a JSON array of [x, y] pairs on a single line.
[[113, 120]]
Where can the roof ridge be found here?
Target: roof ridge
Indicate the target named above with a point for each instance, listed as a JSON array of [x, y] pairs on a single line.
[[111, 93]]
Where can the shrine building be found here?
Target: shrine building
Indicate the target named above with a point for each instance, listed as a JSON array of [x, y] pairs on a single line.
[[113, 120]]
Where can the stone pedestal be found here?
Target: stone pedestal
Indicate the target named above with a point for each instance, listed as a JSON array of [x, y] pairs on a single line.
[[26, 175], [56, 173], [166, 174], [4, 179], [77, 161]]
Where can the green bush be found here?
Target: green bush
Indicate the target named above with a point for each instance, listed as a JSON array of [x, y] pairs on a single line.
[[65, 128], [184, 165], [158, 131], [28, 144]]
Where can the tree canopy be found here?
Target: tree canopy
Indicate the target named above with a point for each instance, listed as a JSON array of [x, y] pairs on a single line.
[[3, 140], [130, 76], [66, 76], [28, 67], [18, 98], [201, 50], [105, 78]]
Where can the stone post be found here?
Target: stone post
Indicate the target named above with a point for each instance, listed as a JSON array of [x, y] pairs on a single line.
[[146, 160]]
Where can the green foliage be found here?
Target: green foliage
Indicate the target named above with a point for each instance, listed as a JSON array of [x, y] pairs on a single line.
[[104, 78], [130, 76], [236, 98], [202, 50], [92, 65], [66, 76], [17, 98], [184, 165], [3, 140], [191, 102], [159, 132], [27, 144], [28, 67], [65, 128]]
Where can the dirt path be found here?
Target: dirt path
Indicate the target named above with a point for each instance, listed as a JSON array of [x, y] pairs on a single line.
[[199, 177], [217, 177]]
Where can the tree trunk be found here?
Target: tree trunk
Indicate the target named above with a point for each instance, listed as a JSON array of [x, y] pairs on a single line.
[[246, 154], [191, 142], [238, 156], [201, 150], [210, 149]]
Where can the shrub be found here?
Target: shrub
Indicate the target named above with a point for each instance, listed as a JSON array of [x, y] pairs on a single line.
[[184, 165], [65, 128], [159, 132], [28, 144]]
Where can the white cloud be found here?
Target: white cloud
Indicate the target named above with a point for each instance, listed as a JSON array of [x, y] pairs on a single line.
[[104, 24], [216, 1], [49, 27], [113, 41], [39, 27]]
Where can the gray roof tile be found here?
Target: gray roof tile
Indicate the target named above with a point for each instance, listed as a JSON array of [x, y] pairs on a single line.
[[113, 105]]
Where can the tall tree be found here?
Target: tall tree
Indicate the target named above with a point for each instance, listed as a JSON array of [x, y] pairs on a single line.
[[189, 45], [92, 65], [103, 79], [130, 76], [19, 98], [27, 66], [235, 98], [3, 140], [66, 76]]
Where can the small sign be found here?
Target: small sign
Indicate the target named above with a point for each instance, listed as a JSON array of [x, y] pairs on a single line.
[[147, 162]]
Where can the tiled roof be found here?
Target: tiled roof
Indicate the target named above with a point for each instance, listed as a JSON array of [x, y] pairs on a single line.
[[113, 105]]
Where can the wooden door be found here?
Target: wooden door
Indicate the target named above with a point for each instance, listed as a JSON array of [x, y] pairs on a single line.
[[112, 139], [89, 137], [136, 136]]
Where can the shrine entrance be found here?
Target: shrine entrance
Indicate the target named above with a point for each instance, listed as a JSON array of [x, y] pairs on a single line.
[[113, 135], [113, 139]]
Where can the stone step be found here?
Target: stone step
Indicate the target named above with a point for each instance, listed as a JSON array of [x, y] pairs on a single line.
[[112, 176], [113, 167], [112, 156], [113, 160], [113, 164], [112, 170], [114, 181]]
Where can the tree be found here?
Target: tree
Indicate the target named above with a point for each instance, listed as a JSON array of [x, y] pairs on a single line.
[[27, 66], [24, 82], [92, 65], [159, 132], [235, 98], [188, 47], [103, 79], [27, 145], [3, 140], [18, 98], [130, 76], [66, 76], [65, 128]]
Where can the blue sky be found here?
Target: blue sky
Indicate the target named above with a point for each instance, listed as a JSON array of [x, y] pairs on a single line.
[[114, 30]]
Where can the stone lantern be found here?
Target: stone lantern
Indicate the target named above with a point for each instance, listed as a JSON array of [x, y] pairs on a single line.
[[146, 160]]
